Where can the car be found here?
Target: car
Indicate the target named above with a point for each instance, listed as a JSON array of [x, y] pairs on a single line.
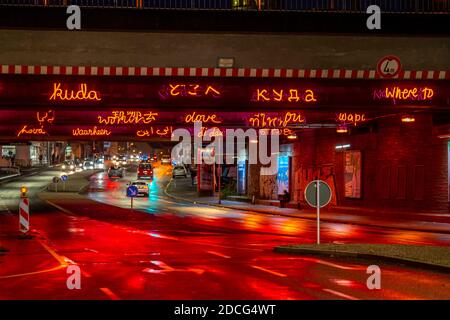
[[68, 166], [179, 171], [99, 164], [115, 172], [142, 187], [78, 165], [88, 165], [122, 159], [165, 159], [145, 170]]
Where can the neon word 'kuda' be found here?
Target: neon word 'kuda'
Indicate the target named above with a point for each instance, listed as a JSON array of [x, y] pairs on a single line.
[[82, 94]]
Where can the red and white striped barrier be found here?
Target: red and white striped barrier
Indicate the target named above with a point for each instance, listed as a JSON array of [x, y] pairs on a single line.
[[24, 215], [219, 72]]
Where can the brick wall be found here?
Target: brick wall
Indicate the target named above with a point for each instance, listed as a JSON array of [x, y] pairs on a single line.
[[404, 166]]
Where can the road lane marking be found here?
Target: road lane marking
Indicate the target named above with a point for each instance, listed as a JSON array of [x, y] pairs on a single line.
[[62, 260], [60, 208], [219, 254], [32, 273], [109, 293], [330, 264], [270, 271], [340, 294]]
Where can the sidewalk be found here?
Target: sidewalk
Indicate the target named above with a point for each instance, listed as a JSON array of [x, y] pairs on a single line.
[[9, 176], [182, 190]]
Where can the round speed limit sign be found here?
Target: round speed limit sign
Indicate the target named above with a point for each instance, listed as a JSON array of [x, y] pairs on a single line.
[[389, 66]]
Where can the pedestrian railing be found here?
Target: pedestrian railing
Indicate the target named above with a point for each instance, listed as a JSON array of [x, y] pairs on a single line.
[[10, 170], [388, 6]]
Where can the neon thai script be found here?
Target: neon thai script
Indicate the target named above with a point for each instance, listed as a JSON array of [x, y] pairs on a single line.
[[266, 121]]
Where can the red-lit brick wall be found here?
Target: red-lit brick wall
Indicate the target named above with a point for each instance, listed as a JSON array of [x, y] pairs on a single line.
[[404, 166]]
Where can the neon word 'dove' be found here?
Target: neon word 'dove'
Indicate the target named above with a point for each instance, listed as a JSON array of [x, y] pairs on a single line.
[[128, 117], [69, 95], [31, 131], [404, 94], [351, 118], [188, 90], [283, 95], [263, 120], [92, 132], [205, 118]]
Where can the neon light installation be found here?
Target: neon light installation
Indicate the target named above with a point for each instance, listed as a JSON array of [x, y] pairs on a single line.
[[32, 131], [47, 117], [128, 117], [167, 131], [284, 95], [214, 132], [92, 132], [404, 94], [263, 120], [188, 90], [204, 118], [81, 94], [352, 118]]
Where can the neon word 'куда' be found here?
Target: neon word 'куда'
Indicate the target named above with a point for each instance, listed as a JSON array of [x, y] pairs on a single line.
[[70, 95], [284, 95]]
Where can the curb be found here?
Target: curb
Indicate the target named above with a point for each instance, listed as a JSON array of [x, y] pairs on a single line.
[[300, 217], [368, 256]]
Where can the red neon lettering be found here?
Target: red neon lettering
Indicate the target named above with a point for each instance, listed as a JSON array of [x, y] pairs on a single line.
[[194, 117], [215, 93], [261, 95], [82, 94], [91, 132], [31, 131]]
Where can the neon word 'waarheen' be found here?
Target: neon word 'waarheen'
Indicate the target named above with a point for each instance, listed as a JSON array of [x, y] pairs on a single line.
[[69, 95]]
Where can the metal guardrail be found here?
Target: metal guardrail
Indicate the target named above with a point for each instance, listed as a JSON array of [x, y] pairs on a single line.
[[13, 170], [389, 6]]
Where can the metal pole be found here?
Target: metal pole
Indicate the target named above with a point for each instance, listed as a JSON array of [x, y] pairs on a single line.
[[220, 175], [131, 203], [318, 210]]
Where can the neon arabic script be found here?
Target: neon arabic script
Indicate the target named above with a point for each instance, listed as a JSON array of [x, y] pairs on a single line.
[[353, 118], [151, 132], [69, 95]]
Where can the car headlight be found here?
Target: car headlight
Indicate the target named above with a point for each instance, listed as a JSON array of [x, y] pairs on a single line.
[[64, 167], [71, 166]]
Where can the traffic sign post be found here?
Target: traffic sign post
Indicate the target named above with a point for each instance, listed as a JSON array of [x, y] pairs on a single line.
[[64, 179], [318, 195], [132, 192], [55, 183], [24, 213]]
